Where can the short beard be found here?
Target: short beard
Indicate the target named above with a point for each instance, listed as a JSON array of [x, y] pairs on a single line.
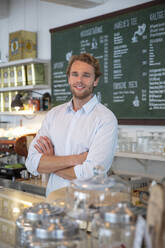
[[84, 95]]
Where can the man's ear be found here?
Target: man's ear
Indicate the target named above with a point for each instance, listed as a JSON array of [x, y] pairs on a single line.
[[96, 82]]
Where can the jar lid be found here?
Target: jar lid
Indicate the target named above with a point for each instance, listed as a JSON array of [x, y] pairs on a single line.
[[102, 182], [42, 210], [119, 213], [56, 228]]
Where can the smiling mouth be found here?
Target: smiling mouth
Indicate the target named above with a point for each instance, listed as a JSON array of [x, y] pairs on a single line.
[[79, 87]]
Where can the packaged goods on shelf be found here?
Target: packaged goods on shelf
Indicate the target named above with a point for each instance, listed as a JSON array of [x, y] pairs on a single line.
[[6, 101], [35, 74], [12, 76], [22, 44], [1, 78], [6, 77], [13, 95], [1, 102], [20, 75]]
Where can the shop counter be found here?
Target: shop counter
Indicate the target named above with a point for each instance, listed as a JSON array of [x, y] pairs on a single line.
[[34, 186], [12, 203]]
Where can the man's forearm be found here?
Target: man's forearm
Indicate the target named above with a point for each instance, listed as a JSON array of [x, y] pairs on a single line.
[[67, 173], [49, 164]]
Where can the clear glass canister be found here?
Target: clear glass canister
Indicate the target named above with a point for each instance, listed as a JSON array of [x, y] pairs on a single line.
[[57, 233], [85, 197], [31, 216], [114, 227]]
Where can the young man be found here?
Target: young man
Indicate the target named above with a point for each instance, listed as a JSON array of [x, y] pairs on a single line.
[[75, 136]]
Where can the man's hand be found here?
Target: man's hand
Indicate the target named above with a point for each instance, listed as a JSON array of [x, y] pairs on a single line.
[[68, 173], [50, 163], [44, 146]]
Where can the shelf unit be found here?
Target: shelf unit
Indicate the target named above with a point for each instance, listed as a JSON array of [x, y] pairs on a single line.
[[140, 156], [24, 61], [27, 87], [32, 88]]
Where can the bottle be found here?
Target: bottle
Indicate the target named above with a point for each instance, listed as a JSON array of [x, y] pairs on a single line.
[[46, 100]]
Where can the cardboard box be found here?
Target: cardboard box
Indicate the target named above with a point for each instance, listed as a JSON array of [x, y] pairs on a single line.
[[35, 74], [20, 75], [22, 44]]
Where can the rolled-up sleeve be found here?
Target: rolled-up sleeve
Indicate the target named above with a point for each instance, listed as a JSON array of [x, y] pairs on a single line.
[[33, 158], [101, 150]]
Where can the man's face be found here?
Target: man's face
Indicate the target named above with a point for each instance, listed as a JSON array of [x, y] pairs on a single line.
[[82, 80]]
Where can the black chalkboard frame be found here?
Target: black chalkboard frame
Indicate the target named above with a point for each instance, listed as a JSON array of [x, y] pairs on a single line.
[[159, 122]]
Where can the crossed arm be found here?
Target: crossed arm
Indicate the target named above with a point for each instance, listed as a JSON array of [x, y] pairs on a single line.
[[62, 166]]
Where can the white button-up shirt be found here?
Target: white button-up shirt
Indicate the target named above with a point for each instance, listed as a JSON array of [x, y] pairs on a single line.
[[93, 128]]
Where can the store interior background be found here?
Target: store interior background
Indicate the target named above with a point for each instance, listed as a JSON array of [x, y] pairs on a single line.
[[40, 16]]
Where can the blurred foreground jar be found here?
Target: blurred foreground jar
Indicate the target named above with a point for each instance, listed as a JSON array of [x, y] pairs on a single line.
[[114, 227], [30, 217], [57, 233], [85, 197]]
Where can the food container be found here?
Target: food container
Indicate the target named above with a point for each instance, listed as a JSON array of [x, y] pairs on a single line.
[[114, 226], [12, 76], [22, 45], [85, 197], [35, 74], [57, 232], [20, 75], [1, 78], [33, 216], [6, 77]]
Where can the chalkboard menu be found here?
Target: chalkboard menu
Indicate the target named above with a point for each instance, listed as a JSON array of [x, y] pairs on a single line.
[[130, 46]]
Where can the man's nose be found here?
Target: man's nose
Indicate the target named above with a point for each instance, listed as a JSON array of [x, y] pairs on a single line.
[[79, 78]]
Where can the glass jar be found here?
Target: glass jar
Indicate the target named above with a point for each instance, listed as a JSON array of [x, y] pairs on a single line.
[[85, 197], [114, 227], [32, 216], [56, 233]]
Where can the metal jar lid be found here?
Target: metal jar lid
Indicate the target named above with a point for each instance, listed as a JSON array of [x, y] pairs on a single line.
[[102, 182], [56, 228], [42, 210], [119, 213]]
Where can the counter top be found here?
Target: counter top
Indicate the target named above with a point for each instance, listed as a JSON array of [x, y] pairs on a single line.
[[34, 186], [12, 200], [12, 203]]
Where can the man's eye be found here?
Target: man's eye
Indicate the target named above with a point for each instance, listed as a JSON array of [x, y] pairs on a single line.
[[86, 75], [74, 74]]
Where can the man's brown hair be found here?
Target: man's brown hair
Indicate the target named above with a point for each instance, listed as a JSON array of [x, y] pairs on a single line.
[[87, 58]]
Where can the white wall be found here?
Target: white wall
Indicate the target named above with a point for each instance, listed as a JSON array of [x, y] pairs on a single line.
[[40, 16]]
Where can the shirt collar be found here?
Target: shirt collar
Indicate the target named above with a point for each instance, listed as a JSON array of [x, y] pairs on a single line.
[[86, 107]]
